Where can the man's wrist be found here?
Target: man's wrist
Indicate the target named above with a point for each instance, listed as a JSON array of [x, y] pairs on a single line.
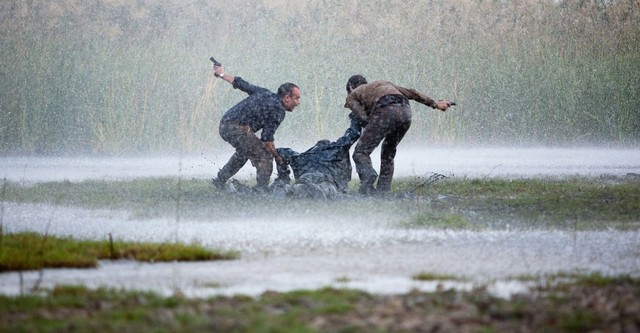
[[221, 75]]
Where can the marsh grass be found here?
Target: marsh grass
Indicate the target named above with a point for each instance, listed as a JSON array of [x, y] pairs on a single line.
[[573, 203], [576, 305], [568, 203], [31, 251]]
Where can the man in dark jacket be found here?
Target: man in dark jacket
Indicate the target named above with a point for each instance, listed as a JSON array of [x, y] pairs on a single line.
[[261, 110], [383, 109]]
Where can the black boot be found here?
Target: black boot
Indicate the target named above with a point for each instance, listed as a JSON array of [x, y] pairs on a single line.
[[366, 185], [220, 184]]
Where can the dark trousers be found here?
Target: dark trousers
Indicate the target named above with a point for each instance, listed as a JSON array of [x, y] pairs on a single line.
[[389, 123], [248, 148]]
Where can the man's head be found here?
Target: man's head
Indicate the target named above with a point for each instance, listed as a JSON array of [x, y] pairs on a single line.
[[289, 94], [355, 81]]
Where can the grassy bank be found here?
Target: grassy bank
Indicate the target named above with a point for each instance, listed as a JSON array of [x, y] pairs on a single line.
[[586, 304], [572, 203], [32, 251]]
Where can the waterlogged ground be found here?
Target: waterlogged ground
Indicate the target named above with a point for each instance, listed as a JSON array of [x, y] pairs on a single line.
[[470, 162], [303, 244]]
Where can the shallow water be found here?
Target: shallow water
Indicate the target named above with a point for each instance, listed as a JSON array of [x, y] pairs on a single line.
[[371, 252], [469, 162]]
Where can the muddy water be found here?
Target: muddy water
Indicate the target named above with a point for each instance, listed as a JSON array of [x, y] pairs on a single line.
[[371, 253]]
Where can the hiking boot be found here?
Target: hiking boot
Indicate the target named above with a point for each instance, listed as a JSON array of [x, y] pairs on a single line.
[[367, 190], [366, 183], [219, 184], [236, 186]]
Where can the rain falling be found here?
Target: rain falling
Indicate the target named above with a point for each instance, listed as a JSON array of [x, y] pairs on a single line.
[[97, 93]]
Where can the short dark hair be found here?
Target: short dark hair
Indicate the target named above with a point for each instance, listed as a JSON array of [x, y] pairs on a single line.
[[355, 81], [286, 89]]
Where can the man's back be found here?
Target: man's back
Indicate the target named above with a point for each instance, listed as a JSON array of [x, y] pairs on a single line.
[[261, 110]]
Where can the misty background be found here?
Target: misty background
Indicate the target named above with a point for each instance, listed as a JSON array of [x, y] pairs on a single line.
[[118, 77]]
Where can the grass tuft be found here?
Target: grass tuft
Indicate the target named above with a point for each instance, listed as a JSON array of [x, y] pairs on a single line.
[[427, 276], [30, 251]]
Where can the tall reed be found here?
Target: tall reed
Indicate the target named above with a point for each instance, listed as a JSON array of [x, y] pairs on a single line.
[[125, 78]]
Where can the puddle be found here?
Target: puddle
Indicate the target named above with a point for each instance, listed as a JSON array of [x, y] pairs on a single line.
[[310, 253]]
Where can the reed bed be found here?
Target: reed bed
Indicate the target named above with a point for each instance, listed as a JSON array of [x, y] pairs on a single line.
[[111, 77]]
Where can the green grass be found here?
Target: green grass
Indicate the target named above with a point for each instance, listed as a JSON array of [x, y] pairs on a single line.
[[574, 203], [426, 276], [30, 251], [568, 203], [568, 307]]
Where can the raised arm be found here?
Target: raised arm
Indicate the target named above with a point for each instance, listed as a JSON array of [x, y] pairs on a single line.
[[236, 81], [219, 72]]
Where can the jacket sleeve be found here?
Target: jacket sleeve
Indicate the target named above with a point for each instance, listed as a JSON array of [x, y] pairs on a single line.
[[357, 108], [239, 83], [352, 134], [417, 96]]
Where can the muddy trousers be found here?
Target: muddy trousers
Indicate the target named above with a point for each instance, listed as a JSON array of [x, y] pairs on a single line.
[[389, 123], [248, 148]]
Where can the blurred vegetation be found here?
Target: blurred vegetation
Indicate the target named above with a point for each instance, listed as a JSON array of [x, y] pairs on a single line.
[[122, 77], [584, 303]]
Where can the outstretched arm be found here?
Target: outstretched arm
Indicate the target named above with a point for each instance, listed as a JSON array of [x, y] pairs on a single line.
[[419, 97], [442, 105], [352, 134], [236, 81], [219, 72]]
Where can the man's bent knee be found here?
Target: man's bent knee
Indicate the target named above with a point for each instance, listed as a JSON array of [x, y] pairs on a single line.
[[359, 157]]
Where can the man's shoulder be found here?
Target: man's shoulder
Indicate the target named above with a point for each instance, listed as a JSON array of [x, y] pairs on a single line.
[[374, 85]]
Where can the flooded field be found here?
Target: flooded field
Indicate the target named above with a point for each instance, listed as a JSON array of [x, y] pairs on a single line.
[[304, 246], [460, 162]]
